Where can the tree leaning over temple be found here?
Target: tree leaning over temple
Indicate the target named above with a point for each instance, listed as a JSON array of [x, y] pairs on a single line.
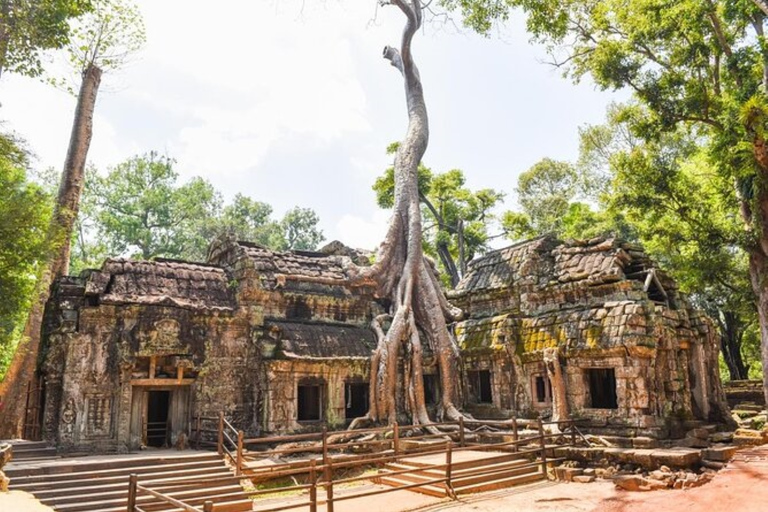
[[103, 40]]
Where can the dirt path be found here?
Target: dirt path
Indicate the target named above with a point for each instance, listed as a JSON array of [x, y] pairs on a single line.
[[741, 487]]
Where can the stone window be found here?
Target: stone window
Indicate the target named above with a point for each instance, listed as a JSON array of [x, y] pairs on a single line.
[[602, 388], [310, 402], [542, 392], [355, 399], [431, 390], [480, 386]]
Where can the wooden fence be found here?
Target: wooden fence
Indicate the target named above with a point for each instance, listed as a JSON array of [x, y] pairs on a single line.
[[390, 444]]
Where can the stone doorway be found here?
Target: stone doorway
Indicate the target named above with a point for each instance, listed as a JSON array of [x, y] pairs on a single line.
[[156, 425], [159, 415]]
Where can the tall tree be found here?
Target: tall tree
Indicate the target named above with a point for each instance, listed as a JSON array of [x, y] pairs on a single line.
[[457, 219], [29, 27], [100, 40]]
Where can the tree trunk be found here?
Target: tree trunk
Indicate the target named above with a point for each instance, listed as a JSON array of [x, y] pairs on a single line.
[[402, 273], [731, 333], [758, 270], [58, 239], [557, 383]]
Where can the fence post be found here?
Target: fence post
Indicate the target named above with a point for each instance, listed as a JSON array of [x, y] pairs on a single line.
[[449, 470], [325, 445], [543, 444], [197, 434], [208, 506], [239, 470], [328, 487], [396, 438], [573, 432], [313, 489], [220, 442], [515, 437], [461, 431], [132, 482]]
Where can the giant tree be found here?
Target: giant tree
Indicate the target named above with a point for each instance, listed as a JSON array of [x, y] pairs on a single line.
[[100, 40], [418, 311]]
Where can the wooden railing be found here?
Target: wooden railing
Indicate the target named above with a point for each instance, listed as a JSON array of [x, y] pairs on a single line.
[[134, 490], [322, 471]]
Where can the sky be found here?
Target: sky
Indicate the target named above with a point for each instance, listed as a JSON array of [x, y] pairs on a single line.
[[290, 102]]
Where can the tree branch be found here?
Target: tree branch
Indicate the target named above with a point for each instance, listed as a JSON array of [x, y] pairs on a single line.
[[762, 5]]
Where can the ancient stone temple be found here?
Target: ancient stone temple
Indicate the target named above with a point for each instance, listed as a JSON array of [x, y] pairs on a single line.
[[589, 330], [135, 350]]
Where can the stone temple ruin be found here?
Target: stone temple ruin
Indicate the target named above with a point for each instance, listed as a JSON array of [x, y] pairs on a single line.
[[592, 330]]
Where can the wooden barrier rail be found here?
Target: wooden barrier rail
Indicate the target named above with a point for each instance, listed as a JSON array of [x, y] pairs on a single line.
[[231, 443], [134, 489]]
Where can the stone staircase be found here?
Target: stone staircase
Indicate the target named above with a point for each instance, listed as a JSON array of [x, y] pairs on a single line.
[[31, 451], [472, 472], [100, 483]]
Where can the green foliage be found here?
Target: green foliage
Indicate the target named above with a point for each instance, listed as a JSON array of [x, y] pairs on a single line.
[[453, 215], [299, 226], [138, 209], [107, 35], [143, 213], [545, 192], [29, 27], [24, 215]]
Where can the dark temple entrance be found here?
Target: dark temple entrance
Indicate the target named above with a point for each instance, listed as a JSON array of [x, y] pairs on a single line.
[[355, 400], [156, 430]]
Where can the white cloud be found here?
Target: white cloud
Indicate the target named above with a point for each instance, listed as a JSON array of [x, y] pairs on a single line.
[[363, 233], [287, 77]]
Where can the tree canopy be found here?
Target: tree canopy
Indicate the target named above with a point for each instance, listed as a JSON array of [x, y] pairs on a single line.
[[139, 209], [29, 27]]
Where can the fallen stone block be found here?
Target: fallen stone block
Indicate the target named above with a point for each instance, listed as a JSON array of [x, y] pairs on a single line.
[[721, 437], [699, 433], [584, 479], [695, 442], [629, 482], [678, 457], [749, 437], [719, 453], [644, 442]]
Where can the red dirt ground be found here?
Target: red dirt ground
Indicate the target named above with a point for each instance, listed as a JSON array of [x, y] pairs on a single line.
[[741, 487]]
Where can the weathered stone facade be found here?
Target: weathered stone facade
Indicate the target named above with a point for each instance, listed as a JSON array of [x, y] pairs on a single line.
[[138, 346], [135, 350], [634, 355]]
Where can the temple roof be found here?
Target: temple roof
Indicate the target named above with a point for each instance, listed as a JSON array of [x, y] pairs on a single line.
[[323, 341], [545, 261], [161, 282]]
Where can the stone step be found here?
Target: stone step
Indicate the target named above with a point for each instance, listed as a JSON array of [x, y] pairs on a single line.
[[150, 503], [500, 483], [85, 471], [93, 494], [101, 483], [45, 489], [398, 481]]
